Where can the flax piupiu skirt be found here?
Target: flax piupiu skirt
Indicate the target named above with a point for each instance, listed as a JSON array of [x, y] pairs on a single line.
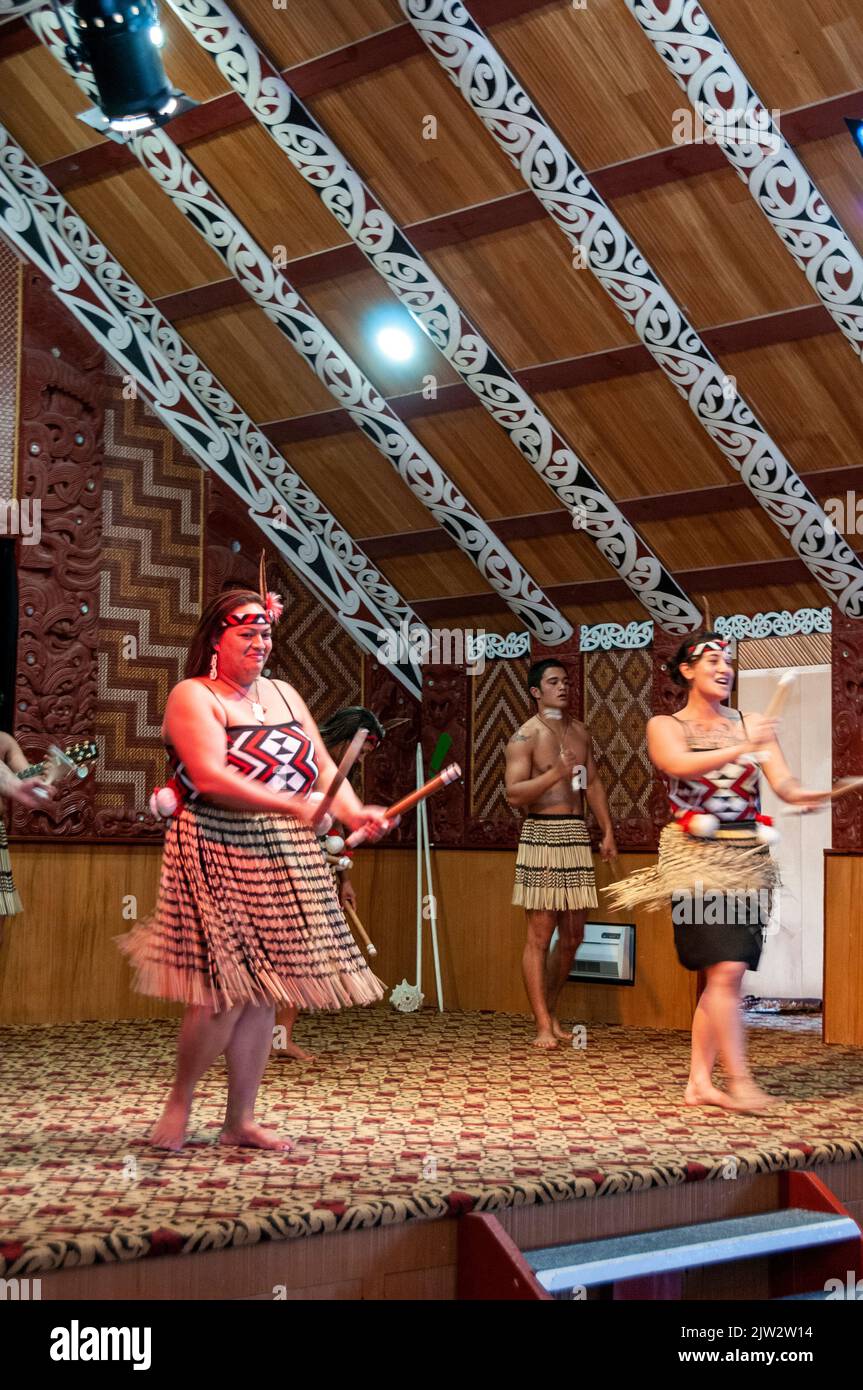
[[247, 914], [10, 903], [554, 865], [719, 890]]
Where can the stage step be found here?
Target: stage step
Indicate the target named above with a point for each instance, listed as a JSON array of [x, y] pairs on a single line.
[[562, 1268]]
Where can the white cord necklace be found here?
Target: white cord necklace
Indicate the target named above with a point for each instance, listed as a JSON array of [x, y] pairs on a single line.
[[257, 707]]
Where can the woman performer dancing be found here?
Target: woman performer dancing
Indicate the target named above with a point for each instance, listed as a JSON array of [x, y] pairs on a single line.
[[336, 732], [705, 754], [247, 916]]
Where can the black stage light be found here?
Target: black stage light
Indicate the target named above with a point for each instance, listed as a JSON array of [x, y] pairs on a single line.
[[856, 128], [121, 41]]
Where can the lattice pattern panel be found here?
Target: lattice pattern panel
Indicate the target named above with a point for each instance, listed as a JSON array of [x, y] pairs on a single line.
[[499, 705], [150, 593], [310, 649], [617, 705]]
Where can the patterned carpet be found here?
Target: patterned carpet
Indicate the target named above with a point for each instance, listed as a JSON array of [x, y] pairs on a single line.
[[401, 1117]]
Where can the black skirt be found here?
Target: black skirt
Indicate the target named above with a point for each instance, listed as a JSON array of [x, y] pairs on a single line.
[[739, 936]]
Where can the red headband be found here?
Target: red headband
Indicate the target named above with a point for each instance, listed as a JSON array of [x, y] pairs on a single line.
[[713, 644]]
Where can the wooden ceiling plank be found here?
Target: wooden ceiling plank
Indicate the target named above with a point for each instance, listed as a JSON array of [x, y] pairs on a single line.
[[756, 575], [764, 330], [194, 196], [601, 242]]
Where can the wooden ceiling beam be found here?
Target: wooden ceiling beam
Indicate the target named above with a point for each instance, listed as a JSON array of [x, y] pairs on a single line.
[[764, 330], [662, 506], [756, 575]]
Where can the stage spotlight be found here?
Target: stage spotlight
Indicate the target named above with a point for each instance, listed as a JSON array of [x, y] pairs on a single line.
[[856, 128], [121, 40], [396, 344]]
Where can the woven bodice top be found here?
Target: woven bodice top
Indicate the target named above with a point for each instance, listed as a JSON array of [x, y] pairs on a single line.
[[280, 755], [731, 792]]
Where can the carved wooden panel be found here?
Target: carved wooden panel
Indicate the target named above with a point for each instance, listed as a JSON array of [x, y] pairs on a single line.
[[390, 772], [847, 727], [445, 710], [60, 468]]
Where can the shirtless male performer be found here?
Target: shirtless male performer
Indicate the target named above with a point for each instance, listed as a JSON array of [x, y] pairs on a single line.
[[548, 761]]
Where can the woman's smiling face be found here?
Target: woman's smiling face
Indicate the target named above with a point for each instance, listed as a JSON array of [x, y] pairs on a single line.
[[244, 647], [711, 675]]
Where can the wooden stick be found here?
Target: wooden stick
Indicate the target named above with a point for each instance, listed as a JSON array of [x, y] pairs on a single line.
[[781, 692], [349, 757], [359, 928]]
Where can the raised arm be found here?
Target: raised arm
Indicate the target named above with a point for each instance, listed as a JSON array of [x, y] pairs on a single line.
[[669, 752], [194, 727], [786, 786]]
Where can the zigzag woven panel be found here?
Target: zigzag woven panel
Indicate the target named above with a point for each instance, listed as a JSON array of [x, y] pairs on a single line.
[[310, 649], [617, 703], [498, 706], [10, 313], [150, 594]]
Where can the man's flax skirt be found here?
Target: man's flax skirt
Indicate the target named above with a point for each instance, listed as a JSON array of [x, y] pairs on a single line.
[[554, 865]]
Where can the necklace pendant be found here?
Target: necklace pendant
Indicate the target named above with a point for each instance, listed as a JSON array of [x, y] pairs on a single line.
[[258, 711]]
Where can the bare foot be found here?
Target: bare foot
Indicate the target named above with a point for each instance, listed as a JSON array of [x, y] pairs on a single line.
[[706, 1094], [293, 1050], [254, 1137], [169, 1132], [747, 1098], [546, 1039], [563, 1034]]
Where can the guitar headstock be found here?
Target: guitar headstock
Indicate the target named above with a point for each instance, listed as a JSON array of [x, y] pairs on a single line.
[[75, 758]]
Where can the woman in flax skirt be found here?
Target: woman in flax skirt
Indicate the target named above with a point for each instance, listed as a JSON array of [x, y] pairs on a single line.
[[714, 851], [247, 916]]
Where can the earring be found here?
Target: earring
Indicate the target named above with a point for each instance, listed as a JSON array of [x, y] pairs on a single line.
[[214, 666]]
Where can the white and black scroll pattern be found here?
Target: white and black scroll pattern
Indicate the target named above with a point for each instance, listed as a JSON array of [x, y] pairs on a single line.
[[691, 49], [96, 289], [323, 166], [491, 89]]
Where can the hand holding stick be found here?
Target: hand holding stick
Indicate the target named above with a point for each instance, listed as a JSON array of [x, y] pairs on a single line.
[[443, 779]]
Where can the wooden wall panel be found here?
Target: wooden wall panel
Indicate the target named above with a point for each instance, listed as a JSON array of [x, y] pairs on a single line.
[[414, 177], [847, 722], [843, 948], [147, 234]]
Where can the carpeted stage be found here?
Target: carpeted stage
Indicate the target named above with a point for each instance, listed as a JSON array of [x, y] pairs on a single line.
[[402, 1122]]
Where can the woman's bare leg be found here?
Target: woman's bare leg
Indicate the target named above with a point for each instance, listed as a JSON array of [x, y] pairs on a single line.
[[721, 1000], [204, 1035], [246, 1056], [700, 1089], [286, 1019]]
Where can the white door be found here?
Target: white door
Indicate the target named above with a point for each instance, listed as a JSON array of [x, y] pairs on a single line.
[[792, 963]]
